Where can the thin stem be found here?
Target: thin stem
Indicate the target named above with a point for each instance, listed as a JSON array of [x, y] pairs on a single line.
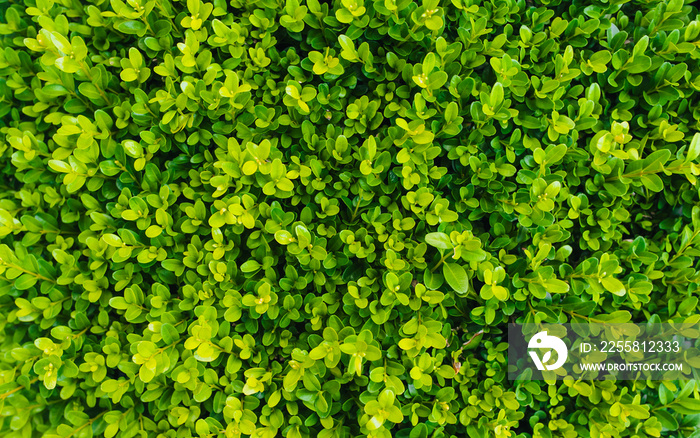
[[357, 207], [19, 268], [442, 260], [89, 423], [9, 393], [80, 334], [642, 173], [684, 247], [480, 332]]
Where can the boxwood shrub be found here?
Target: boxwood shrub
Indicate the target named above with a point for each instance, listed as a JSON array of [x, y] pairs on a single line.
[[315, 219]]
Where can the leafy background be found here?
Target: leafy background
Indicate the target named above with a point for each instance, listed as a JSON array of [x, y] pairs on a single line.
[[301, 219]]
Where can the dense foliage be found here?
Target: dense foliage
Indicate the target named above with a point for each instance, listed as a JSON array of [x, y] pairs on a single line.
[[314, 219]]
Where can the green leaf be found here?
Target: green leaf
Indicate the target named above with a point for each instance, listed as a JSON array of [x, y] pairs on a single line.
[[613, 285], [25, 281], [655, 161], [694, 149], [60, 166], [153, 231], [303, 235], [131, 27], [451, 112], [665, 394], [169, 333], [639, 64], [500, 292], [434, 22], [496, 97], [250, 266], [113, 240], [432, 280], [284, 237], [439, 240], [555, 286], [202, 427], [667, 420], [175, 266], [54, 90], [456, 277], [686, 406], [652, 182]]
